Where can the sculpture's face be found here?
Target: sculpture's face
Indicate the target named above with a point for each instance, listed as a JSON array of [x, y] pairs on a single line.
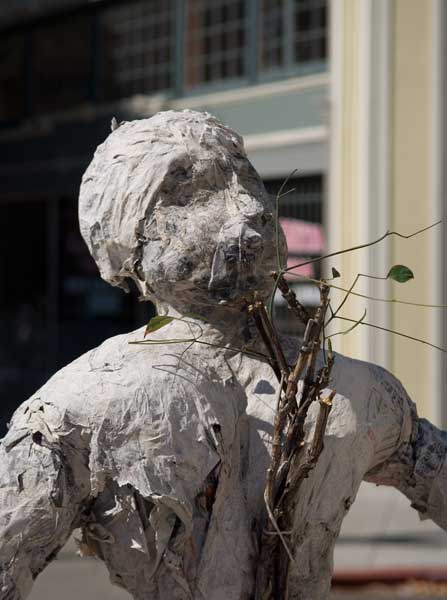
[[173, 203], [219, 249]]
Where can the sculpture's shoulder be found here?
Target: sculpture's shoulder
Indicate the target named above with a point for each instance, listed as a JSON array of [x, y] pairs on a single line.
[[365, 393], [80, 392], [121, 385], [117, 361], [352, 378]]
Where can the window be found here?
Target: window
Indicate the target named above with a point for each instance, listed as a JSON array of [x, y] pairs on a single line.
[[108, 52], [12, 77], [216, 41], [304, 198], [61, 59], [301, 220], [310, 28], [137, 41], [293, 33], [300, 211], [272, 40]]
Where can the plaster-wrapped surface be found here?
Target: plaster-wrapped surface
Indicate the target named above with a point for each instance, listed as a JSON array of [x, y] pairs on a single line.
[[159, 452]]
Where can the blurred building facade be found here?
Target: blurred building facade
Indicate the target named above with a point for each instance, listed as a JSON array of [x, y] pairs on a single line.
[[66, 68], [354, 102], [387, 172]]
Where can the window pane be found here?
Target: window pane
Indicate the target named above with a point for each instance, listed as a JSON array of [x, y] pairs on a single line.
[[304, 201], [138, 48], [216, 41], [61, 63], [292, 32], [272, 34], [12, 82], [311, 32]]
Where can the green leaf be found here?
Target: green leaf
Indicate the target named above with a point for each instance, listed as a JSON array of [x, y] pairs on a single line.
[[335, 273], [400, 273], [157, 323]]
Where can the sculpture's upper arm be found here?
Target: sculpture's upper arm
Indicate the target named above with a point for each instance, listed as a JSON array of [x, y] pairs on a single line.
[[378, 407]]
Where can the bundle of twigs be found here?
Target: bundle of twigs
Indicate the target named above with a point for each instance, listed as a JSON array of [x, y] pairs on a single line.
[[300, 385]]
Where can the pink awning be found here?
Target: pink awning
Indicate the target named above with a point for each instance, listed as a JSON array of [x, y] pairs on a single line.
[[303, 238], [306, 270]]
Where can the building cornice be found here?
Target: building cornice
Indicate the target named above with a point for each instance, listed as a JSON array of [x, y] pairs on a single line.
[[219, 98], [291, 137]]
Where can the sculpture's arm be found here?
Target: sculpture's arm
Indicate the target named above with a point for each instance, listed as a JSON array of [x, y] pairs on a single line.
[[43, 485], [419, 470], [374, 434]]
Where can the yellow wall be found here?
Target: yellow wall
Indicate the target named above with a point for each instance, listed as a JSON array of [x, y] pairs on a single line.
[[410, 90], [344, 215], [412, 104]]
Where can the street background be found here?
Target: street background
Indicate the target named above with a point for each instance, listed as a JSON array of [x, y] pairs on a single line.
[[351, 93]]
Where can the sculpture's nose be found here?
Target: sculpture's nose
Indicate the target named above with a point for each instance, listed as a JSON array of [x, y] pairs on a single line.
[[234, 261]]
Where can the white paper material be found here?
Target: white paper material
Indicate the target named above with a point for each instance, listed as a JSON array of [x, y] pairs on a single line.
[[159, 452]]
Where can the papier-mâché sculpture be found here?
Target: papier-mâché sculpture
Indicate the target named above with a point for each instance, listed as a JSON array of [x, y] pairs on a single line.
[[159, 453]]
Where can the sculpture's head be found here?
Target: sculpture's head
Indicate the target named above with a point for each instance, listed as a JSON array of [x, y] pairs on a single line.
[[173, 203]]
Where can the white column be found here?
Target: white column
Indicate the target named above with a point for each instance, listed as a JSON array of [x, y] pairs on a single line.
[[359, 180], [438, 210]]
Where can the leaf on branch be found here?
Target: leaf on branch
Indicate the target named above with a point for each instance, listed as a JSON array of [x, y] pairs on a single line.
[[400, 273], [157, 323], [335, 273]]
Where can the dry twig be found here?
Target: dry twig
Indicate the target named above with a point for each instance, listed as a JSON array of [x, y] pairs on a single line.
[[289, 465], [290, 297]]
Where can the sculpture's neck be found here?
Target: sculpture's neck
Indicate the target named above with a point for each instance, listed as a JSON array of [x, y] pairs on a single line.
[[228, 325]]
